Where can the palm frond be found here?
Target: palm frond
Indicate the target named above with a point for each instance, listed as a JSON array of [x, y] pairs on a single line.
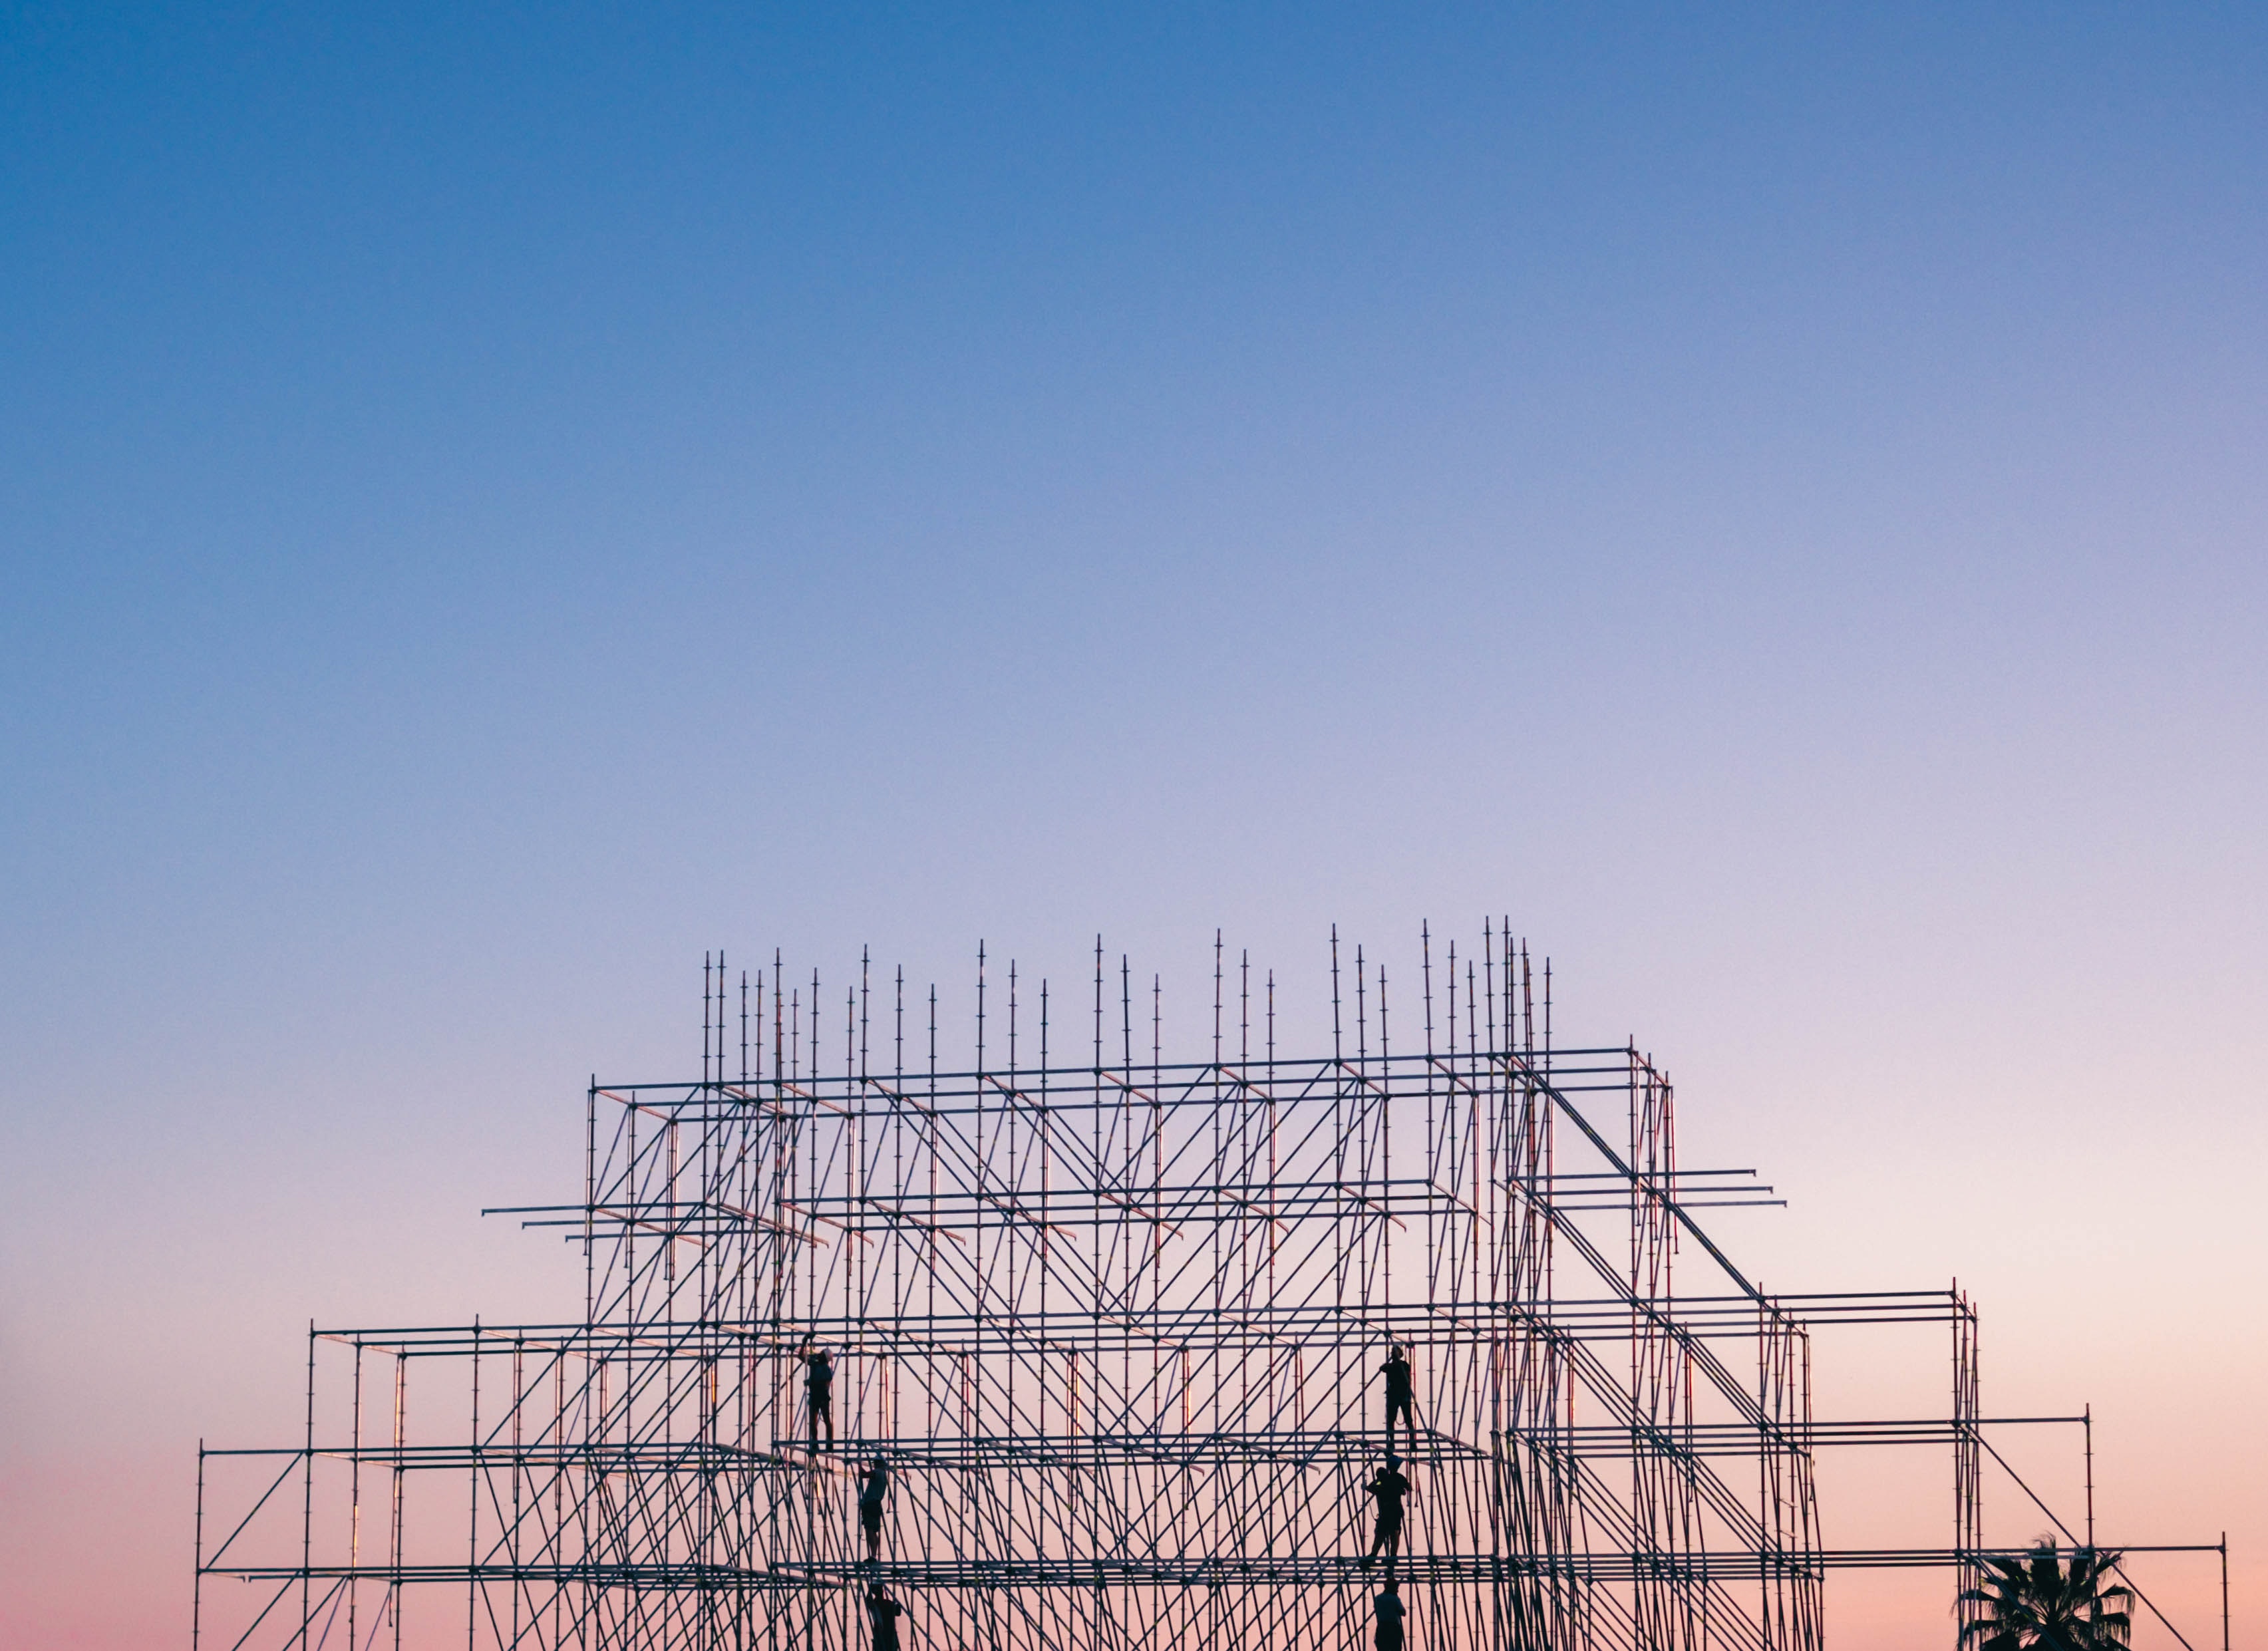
[[2034, 1602]]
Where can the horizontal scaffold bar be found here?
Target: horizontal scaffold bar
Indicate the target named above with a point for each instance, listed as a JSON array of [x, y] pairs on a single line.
[[951, 1453], [1243, 1571], [1415, 1324], [1070, 1079]]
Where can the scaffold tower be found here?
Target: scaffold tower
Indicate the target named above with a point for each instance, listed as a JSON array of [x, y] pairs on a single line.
[[1062, 1345]]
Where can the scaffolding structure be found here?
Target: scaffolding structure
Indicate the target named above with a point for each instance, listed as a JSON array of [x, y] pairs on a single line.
[[1115, 1326]]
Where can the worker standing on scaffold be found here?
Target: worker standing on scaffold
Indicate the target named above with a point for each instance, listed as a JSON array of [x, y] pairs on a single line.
[[818, 1378], [1389, 1484], [1389, 1618], [1398, 1393], [872, 1495], [883, 1613]]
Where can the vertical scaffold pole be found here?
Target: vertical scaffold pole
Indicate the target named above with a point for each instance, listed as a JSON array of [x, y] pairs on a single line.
[[393, 1539], [2087, 1421], [1968, 1464], [198, 1580], [307, 1508], [473, 1519], [354, 1500], [2224, 1591]]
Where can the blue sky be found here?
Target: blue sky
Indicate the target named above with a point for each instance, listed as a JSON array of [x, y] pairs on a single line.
[[495, 503]]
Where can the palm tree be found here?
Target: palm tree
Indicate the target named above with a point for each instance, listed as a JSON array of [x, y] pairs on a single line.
[[2036, 1604]]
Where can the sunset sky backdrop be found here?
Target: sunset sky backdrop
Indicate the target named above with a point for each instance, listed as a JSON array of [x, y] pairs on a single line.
[[499, 501]]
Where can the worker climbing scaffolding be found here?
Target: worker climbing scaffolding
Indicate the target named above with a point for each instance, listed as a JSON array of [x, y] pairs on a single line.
[[1390, 1485], [1390, 1613], [818, 1380], [882, 1614], [1399, 1392], [872, 1497]]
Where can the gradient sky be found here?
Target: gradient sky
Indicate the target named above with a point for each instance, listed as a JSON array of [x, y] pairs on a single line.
[[496, 502]]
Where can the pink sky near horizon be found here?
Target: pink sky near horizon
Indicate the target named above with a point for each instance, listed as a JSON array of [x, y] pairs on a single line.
[[87, 1524]]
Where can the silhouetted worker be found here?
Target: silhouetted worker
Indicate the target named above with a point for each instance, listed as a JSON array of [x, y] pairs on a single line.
[[1389, 1618], [1389, 1485], [821, 1379], [872, 1495], [883, 1613], [1397, 1372]]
